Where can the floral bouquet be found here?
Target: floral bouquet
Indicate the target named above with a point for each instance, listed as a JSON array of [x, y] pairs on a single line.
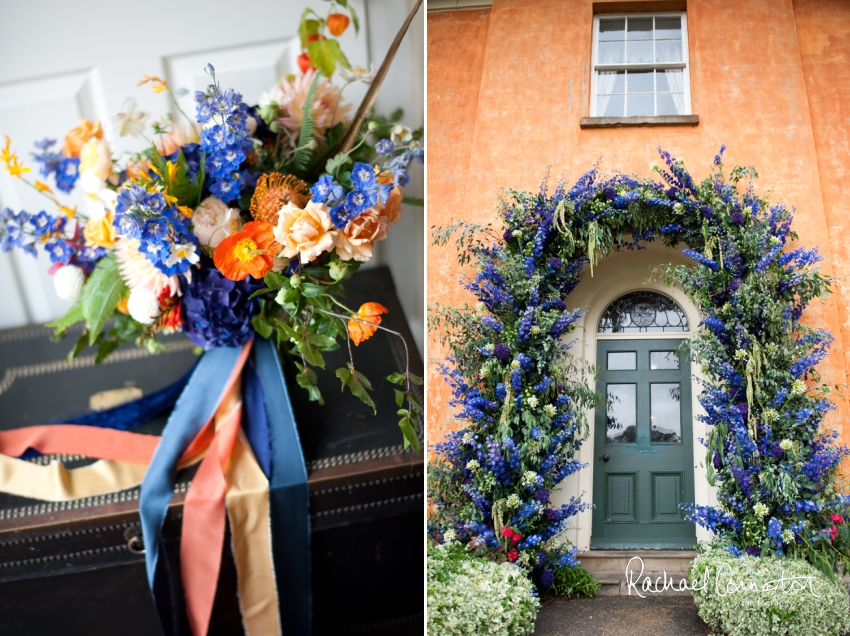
[[238, 220]]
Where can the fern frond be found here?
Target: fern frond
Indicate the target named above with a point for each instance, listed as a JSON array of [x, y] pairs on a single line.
[[308, 129], [332, 138]]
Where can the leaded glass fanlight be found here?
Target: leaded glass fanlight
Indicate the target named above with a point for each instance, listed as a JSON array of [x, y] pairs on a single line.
[[643, 312]]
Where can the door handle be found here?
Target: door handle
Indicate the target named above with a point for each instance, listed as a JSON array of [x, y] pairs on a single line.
[[605, 457]]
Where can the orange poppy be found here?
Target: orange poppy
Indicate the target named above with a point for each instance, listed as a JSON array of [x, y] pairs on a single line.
[[250, 251], [371, 313]]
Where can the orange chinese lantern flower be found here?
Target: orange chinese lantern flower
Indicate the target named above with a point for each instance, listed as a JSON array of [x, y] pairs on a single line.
[[337, 23], [250, 251], [371, 313]]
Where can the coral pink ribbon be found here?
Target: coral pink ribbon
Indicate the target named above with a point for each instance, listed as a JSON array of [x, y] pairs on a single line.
[[202, 537]]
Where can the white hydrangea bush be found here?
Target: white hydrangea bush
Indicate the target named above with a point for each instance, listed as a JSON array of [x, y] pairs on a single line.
[[470, 595], [749, 596]]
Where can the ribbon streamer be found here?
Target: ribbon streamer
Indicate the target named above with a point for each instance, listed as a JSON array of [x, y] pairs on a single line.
[[216, 372]]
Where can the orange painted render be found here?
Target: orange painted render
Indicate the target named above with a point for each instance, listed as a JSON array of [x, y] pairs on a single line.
[[769, 78]]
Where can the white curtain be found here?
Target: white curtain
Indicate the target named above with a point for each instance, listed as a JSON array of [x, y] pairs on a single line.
[[676, 80]]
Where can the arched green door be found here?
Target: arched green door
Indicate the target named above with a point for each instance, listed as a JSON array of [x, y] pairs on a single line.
[[643, 450]]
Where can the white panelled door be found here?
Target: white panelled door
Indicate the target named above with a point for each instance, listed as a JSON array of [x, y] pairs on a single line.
[[63, 61]]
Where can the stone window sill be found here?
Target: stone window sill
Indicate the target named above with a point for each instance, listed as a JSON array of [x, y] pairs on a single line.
[[661, 120]]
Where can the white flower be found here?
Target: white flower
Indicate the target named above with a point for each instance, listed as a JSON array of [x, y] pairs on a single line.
[[130, 121], [98, 200], [143, 306], [513, 501], [484, 371], [653, 165], [96, 157], [769, 416], [787, 535], [550, 410], [774, 240], [449, 536], [515, 364], [517, 232], [473, 465], [68, 281], [760, 509], [529, 478], [799, 387], [182, 252], [401, 134], [535, 330], [466, 439], [357, 73], [740, 354], [213, 221], [532, 402], [786, 444]]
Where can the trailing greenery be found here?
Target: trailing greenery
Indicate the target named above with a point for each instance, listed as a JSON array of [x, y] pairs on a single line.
[[469, 595]]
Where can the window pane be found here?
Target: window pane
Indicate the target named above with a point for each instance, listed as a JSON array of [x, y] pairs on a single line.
[[639, 52], [671, 104], [640, 28], [611, 52], [640, 105], [622, 361], [663, 360], [612, 29], [610, 82], [666, 51], [610, 106], [665, 413], [668, 28], [622, 414], [670, 80], [640, 82]]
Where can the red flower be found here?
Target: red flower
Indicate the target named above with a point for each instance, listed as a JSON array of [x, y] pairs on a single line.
[[513, 555], [837, 519], [516, 537], [506, 531], [833, 532]]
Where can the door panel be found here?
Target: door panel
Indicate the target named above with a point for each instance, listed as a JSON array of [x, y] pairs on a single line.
[[643, 459]]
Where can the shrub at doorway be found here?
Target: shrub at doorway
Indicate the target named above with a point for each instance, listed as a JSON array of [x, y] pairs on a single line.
[[522, 397], [772, 595], [469, 595]]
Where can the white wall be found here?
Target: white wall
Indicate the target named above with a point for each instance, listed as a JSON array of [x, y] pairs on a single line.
[[62, 61]]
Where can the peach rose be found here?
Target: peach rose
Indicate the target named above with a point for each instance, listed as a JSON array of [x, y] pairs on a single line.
[[392, 209], [96, 158], [355, 241], [75, 139], [100, 233], [308, 232], [213, 221]]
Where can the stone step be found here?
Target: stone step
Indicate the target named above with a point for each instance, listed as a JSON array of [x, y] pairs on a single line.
[[648, 584], [670, 561]]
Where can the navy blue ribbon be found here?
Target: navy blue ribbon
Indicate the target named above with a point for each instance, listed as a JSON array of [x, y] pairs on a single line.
[[289, 496], [195, 407], [255, 422]]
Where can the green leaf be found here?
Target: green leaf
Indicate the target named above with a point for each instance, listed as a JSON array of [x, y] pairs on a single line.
[[396, 378], [308, 128], [325, 55], [307, 27], [413, 201], [415, 379], [78, 346], [101, 294], [262, 326], [320, 340], [337, 162], [261, 292], [311, 291], [399, 397], [104, 349], [307, 380], [310, 354], [332, 138], [410, 438], [276, 281], [357, 384], [74, 315], [288, 330]]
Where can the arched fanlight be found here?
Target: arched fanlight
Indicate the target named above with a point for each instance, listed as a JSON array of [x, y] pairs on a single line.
[[643, 312]]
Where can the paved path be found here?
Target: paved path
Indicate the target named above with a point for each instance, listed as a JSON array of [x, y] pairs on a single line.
[[620, 616]]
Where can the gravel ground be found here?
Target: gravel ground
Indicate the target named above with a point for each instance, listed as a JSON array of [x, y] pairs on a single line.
[[620, 616]]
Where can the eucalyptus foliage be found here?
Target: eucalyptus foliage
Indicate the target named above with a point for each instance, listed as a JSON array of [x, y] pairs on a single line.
[[522, 396]]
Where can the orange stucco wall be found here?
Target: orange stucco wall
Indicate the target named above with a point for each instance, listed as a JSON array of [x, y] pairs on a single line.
[[769, 78]]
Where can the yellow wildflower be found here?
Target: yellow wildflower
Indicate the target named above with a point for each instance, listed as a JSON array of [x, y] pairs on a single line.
[[43, 187], [10, 159], [157, 84]]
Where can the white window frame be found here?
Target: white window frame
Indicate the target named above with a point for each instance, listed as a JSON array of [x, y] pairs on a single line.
[[684, 64]]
